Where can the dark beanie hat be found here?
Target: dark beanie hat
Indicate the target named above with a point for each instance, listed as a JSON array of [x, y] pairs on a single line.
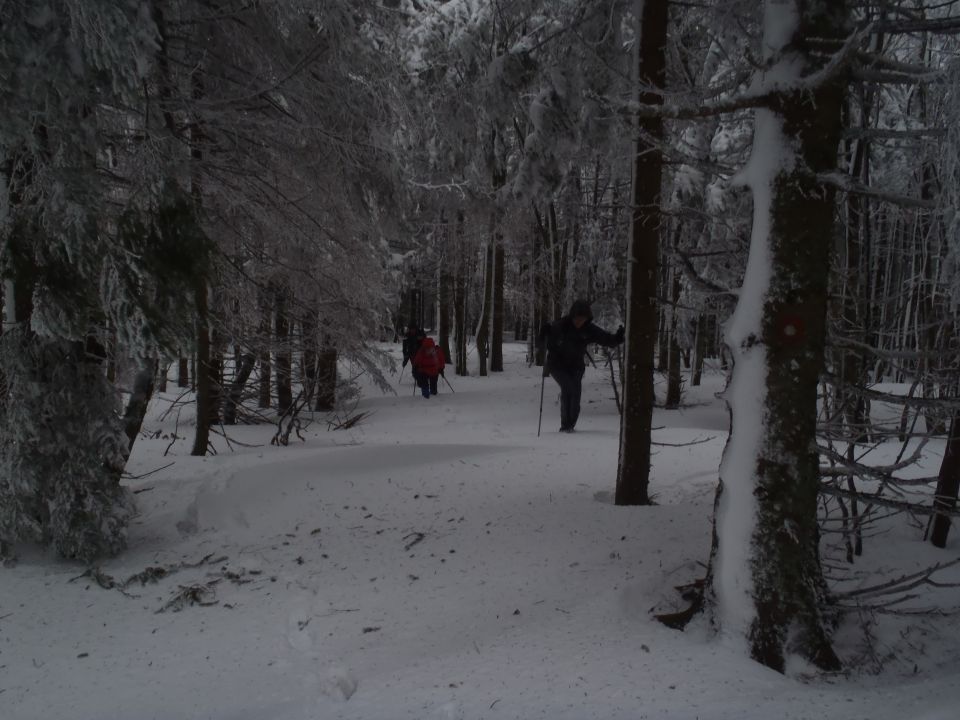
[[581, 308]]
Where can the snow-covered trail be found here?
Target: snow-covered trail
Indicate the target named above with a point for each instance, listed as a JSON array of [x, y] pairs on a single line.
[[439, 561]]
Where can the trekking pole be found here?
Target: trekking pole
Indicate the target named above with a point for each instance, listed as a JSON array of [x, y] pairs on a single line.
[[543, 380], [448, 383], [400, 379]]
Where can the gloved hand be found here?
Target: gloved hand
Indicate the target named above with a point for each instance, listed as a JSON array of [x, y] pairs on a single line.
[[619, 334], [441, 373]]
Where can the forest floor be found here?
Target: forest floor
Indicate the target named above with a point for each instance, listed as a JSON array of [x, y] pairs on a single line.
[[440, 561]]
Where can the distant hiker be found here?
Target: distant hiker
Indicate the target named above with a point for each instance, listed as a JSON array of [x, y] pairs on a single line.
[[566, 342], [411, 342], [428, 366]]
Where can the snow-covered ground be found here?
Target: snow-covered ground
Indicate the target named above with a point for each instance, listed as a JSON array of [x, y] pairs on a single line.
[[438, 561]]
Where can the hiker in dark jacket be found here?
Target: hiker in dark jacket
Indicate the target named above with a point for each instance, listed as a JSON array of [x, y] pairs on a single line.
[[411, 342], [566, 342]]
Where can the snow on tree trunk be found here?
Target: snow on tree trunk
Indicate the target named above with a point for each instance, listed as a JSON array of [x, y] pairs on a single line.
[[633, 470], [765, 583]]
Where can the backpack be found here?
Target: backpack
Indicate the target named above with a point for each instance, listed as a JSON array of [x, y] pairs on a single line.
[[429, 358]]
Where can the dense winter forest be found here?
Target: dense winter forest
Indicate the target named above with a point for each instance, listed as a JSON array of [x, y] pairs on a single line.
[[218, 218]]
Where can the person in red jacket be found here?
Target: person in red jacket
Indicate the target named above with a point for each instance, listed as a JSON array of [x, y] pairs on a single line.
[[428, 366]]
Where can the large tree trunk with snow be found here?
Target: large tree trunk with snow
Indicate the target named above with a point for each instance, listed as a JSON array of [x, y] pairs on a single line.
[[633, 471], [765, 582]]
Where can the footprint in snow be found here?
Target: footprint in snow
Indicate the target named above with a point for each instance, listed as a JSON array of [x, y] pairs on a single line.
[[337, 683], [448, 711], [603, 496]]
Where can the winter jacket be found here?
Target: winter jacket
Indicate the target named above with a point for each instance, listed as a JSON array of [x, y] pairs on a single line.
[[428, 360], [567, 346], [411, 343]]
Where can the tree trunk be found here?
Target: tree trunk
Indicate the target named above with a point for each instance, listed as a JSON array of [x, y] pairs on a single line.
[[203, 376], [460, 300], [202, 371], [247, 362], [765, 581], [496, 347], [183, 372], [541, 304], [636, 420], [265, 380], [326, 380], [948, 485], [136, 410], [216, 375], [699, 350], [284, 352], [483, 327], [163, 370], [443, 301], [308, 358], [674, 374]]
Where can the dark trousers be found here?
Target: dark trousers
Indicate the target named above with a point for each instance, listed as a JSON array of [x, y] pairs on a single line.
[[569, 382], [426, 382]]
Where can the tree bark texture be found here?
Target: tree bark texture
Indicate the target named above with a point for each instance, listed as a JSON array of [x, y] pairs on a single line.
[[765, 581], [633, 469]]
